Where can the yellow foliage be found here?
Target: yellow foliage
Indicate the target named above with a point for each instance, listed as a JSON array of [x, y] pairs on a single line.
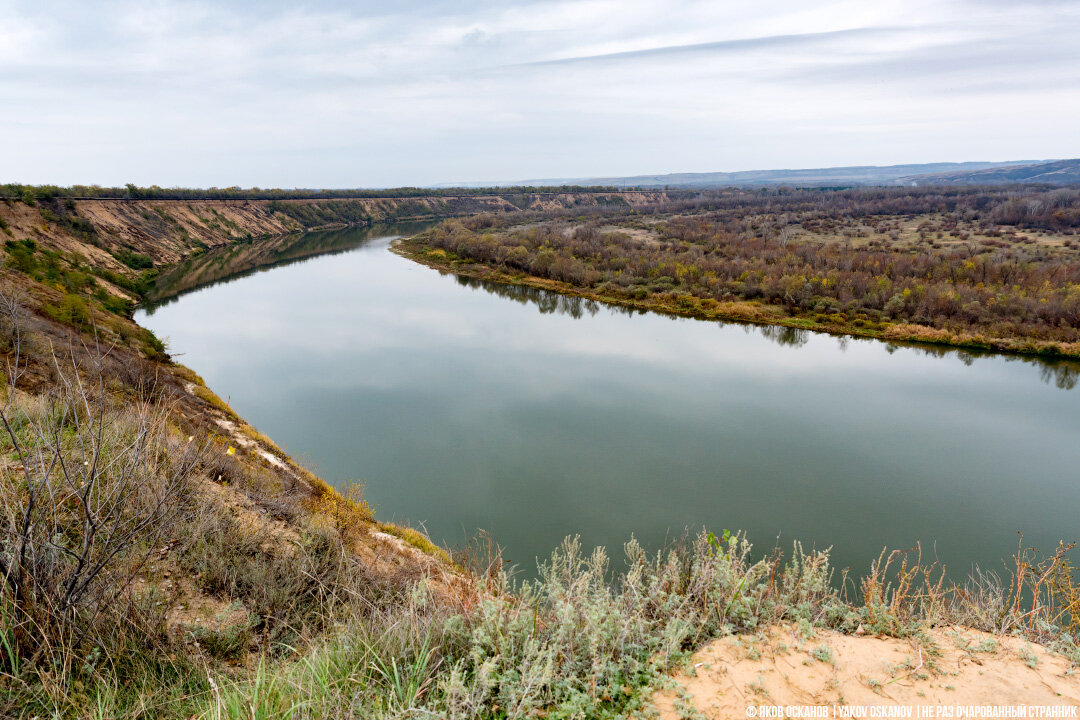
[[347, 512]]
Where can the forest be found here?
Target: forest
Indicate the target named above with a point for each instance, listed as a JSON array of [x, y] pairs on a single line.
[[994, 268]]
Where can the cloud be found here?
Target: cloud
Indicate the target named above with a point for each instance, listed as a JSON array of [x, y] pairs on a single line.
[[992, 64], [343, 93], [740, 45]]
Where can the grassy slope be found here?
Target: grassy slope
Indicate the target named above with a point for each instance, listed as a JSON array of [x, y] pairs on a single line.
[[242, 522]]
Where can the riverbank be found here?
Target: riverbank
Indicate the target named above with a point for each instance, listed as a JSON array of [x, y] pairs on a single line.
[[114, 233], [151, 540], [417, 249], [959, 269]]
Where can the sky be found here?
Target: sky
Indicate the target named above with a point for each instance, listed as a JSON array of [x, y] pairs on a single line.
[[379, 94]]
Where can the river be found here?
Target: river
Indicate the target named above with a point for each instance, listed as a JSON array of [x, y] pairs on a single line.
[[463, 405]]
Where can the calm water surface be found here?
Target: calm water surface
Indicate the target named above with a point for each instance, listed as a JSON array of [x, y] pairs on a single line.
[[464, 406]]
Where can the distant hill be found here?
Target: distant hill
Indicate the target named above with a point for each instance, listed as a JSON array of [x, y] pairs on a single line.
[[853, 175], [1057, 172]]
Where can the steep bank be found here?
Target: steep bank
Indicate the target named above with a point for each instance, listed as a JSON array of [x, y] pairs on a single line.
[[166, 230], [76, 267], [188, 539], [241, 258]]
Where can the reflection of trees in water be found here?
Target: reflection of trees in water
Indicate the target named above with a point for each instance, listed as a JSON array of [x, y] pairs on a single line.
[[546, 301], [784, 336], [1063, 374], [238, 260]]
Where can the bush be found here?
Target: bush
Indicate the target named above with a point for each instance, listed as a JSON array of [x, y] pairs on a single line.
[[72, 310], [21, 255], [133, 259], [95, 489]]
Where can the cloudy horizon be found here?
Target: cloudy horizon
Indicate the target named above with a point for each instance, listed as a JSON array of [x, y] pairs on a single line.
[[337, 94]]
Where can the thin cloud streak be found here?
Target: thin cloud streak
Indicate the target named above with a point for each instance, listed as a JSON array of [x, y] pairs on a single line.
[[1009, 65], [727, 46]]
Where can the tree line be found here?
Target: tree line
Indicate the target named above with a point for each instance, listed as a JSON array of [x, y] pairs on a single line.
[[34, 193]]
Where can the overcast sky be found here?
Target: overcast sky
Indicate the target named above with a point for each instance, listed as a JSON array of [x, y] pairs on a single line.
[[381, 93]]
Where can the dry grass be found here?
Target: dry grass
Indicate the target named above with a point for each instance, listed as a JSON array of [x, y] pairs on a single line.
[[135, 555]]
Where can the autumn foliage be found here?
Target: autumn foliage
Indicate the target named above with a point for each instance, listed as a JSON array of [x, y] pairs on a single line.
[[989, 264]]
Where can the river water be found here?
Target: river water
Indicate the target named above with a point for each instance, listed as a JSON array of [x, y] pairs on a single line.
[[464, 405]]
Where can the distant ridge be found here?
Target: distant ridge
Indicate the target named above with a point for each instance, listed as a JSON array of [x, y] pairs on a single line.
[[1009, 171], [1057, 172]]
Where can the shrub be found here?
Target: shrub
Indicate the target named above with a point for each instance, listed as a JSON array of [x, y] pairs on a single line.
[[94, 490], [133, 259], [72, 310], [348, 512]]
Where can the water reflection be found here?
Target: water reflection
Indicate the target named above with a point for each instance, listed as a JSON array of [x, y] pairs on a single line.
[[1060, 373], [546, 301], [784, 336], [240, 259], [1063, 376], [551, 416]]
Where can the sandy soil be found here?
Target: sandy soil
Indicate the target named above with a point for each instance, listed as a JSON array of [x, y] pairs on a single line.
[[733, 677]]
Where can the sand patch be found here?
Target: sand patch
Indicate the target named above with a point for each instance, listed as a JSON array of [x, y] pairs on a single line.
[[954, 666]]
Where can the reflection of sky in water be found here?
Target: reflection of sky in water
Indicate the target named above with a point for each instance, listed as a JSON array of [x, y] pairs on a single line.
[[462, 408]]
